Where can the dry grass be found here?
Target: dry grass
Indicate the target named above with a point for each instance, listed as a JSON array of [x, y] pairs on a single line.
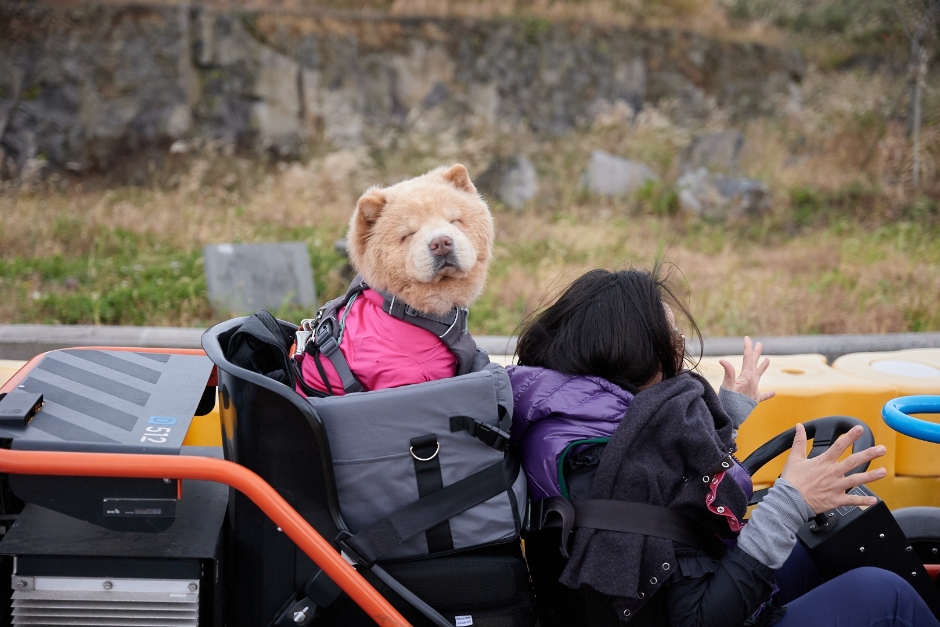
[[885, 280], [622, 11], [846, 272]]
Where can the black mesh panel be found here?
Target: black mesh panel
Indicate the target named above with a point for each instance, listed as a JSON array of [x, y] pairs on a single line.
[[458, 582]]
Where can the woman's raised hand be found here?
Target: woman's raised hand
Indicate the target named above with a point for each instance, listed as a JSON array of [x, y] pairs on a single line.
[[751, 372], [822, 481]]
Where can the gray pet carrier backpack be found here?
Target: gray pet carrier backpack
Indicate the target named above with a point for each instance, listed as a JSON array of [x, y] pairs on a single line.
[[440, 446]]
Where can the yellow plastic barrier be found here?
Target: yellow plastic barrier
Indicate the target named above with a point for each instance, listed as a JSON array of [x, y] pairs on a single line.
[[913, 371], [205, 430], [807, 388], [9, 368]]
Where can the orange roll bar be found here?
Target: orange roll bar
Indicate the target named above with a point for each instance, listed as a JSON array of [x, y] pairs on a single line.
[[207, 469]]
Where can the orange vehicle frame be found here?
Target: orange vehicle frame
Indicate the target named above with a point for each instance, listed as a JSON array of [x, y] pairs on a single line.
[[205, 469], [229, 473]]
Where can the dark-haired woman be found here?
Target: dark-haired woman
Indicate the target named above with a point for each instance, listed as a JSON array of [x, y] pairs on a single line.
[[606, 361]]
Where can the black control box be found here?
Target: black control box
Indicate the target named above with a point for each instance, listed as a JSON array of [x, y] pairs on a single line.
[[17, 408], [851, 537]]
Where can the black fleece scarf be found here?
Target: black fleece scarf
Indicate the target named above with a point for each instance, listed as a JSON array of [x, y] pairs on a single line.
[[669, 449]]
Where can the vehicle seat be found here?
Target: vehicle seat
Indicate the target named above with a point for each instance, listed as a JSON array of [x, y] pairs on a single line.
[[275, 432]]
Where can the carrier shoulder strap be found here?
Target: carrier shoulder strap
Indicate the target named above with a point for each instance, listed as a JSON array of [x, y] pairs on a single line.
[[328, 333], [328, 346], [329, 310], [623, 516]]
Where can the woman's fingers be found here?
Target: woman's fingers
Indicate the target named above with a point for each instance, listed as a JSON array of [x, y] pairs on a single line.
[[857, 459], [821, 480], [858, 479], [762, 368], [840, 445], [798, 450], [765, 395], [752, 369], [728, 381], [747, 364], [755, 355]]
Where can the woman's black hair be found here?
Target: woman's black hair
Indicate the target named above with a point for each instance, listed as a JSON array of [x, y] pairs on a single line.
[[611, 325]]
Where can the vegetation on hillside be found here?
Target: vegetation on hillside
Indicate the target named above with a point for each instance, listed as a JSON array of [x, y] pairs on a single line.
[[851, 244]]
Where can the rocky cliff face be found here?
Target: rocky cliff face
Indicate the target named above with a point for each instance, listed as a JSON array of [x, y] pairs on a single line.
[[83, 87]]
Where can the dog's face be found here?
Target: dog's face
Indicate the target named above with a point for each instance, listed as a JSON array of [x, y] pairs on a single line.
[[427, 240]]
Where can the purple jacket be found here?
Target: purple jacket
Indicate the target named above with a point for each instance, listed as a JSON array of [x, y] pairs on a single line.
[[552, 410]]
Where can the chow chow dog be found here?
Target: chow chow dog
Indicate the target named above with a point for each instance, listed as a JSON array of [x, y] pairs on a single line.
[[427, 240], [425, 243]]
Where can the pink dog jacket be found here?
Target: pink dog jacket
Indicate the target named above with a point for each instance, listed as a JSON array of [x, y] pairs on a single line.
[[383, 351]]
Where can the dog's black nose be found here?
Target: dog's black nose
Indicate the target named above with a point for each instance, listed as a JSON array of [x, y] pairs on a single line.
[[441, 246]]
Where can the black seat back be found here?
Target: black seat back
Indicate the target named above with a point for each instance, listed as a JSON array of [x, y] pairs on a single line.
[[273, 431]]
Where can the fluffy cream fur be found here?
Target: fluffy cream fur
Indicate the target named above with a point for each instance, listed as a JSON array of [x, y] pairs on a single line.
[[395, 230]]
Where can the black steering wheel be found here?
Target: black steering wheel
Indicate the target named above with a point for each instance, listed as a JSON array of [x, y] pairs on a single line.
[[823, 432]]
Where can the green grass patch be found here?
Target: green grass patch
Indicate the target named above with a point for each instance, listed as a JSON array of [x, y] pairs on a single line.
[[135, 279]]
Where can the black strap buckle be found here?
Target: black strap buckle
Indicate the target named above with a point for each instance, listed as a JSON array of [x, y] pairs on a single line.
[[326, 342], [493, 437], [349, 554], [554, 512]]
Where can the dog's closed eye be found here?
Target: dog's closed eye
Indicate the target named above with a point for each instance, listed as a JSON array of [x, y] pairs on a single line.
[[456, 221], [408, 236]]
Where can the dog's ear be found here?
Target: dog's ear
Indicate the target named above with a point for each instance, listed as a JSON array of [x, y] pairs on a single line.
[[371, 205], [460, 178]]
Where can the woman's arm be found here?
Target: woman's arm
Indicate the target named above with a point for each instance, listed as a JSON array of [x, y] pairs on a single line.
[[739, 406], [770, 534], [739, 394], [806, 487]]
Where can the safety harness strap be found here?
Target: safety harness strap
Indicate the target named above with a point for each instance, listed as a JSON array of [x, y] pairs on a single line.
[[623, 516], [451, 328], [329, 348]]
